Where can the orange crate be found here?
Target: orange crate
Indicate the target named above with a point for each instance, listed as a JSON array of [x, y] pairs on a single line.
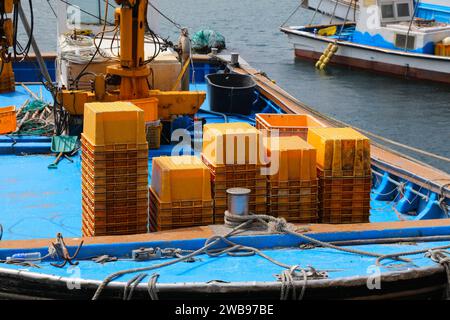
[[8, 120], [339, 196], [112, 156], [90, 229], [111, 147], [294, 157], [180, 178], [287, 124], [116, 187], [149, 106], [231, 143], [117, 195], [341, 151], [107, 123], [303, 215], [103, 213], [127, 219], [179, 214], [113, 205], [115, 171], [113, 179]]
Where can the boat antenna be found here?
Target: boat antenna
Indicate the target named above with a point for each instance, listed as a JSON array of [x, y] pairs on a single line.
[[334, 11], [294, 12], [315, 12], [345, 20], [410, 24]]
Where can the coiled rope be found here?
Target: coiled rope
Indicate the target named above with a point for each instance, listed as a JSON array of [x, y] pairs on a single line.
[[273, 224]]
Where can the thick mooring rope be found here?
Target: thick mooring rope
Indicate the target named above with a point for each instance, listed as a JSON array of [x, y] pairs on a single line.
[[273, 224]]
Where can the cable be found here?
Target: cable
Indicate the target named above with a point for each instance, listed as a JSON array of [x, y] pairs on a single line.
[[96, 47], [165, 17], [17, 47]]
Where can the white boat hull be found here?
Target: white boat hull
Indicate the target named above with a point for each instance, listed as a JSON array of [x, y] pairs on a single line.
[[405, 64]]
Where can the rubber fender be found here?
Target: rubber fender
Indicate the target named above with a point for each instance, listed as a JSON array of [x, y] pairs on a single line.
[[410, 201], [431, 209], [386, 190]]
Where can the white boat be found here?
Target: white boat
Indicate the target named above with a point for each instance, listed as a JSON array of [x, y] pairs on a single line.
[[336, 9], [349, 9], [390, 36]]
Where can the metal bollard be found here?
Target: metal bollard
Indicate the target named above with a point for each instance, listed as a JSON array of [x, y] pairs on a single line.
[[234, 59], [238, 199]]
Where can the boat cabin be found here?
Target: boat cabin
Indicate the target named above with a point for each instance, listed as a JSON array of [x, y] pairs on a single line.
[[393, 24]]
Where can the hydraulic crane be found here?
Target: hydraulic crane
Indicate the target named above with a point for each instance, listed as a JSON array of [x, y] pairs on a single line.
[[7, 80], [132, 71]]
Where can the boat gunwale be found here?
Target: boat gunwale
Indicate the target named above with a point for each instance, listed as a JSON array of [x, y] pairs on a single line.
[[212, 287], [310, 35]]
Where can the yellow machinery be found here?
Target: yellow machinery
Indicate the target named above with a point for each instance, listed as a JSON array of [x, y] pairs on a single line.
[[7, 81], [132, 71]]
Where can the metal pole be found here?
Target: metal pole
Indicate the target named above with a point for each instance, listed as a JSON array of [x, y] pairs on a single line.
[[37, 52]]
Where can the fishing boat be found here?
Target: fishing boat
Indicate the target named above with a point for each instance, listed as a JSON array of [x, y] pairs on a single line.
[[46, 251], [402, 38], [336, 9]]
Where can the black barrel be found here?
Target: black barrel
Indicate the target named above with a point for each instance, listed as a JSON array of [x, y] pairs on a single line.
[[231, 93]]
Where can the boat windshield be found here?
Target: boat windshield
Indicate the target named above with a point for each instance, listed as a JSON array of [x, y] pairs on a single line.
[[90, 12]]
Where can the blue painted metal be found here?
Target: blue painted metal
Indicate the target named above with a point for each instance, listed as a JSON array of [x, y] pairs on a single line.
[[377, 40], [234, 269], [40, 202], [430, 11], [28, 71], [431, 209], [410, 201], [386, 191]]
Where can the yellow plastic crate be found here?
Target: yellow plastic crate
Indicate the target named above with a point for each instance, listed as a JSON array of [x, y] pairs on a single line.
[[232, 144], [112, 123], [180, 178], [341, 151], [442, 50], [8, 120], [149, 106], [296, 158], [287, 124]]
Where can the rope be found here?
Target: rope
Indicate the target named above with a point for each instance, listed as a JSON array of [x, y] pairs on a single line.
[[165, 17], [334, 12], [315, 12], [410, 24], [288, 283], [410, 253], [152, 290], [235, 249], [132, 284], [51, 8], [441, 257], [294, 12]]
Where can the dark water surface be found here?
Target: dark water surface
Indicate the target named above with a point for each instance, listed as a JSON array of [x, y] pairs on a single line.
[[410, 112]]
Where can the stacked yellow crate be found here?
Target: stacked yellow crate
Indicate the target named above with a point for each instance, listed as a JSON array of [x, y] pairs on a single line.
[[114, 170], [180, 193], [231, 151], [292, 185], [343, 160]]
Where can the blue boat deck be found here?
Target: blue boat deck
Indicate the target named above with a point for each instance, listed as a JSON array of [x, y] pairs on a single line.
[[38, 202], [337, 264]]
